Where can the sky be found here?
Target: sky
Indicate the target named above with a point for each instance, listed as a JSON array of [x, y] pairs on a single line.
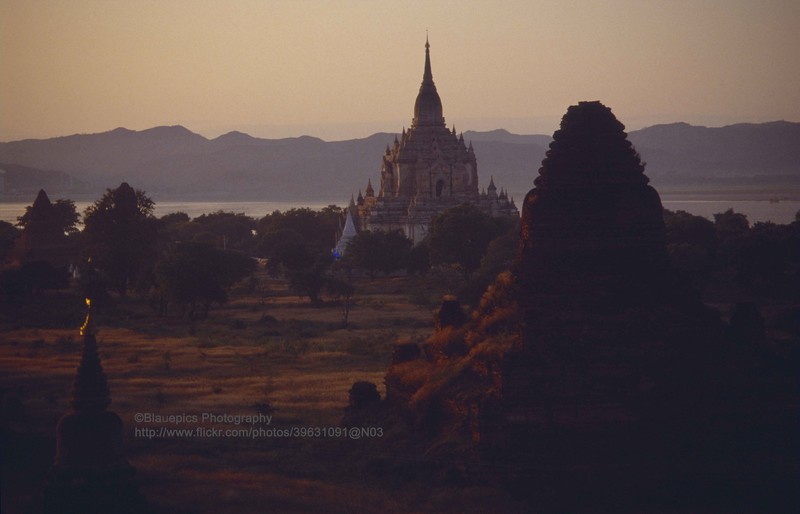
[[346, 69]]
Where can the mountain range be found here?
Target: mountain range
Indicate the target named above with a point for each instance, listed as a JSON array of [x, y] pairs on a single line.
[[173, 162]]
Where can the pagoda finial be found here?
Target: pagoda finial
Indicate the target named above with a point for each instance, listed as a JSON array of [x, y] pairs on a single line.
[[88, 324], [427, 77], [90, 389]]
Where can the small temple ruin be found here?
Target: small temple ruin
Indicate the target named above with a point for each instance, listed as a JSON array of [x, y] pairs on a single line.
[[43, 239]]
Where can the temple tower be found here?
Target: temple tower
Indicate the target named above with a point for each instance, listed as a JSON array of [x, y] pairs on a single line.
[[428, 169]]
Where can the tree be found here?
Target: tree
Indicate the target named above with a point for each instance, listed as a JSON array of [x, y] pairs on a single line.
[[418, 260], [462, 234], [298, 238], [769, 256], [341, 289], [731, 224], [732, 231], [197, 274], [692, 243], [289, 249], [317, 228], [378, 251], [231, 230], [8, 235], [310, 281], [41, 275], [31, 277], [64, 214], [499, 256], [120, 236], [175, 218]]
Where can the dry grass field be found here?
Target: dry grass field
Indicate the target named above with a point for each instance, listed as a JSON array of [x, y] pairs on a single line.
[[267, 352]]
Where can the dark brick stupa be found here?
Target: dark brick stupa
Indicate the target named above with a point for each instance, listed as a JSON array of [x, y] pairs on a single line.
[[605, 322], [592, 209], [621, 389], [588, 361], [90, 472]]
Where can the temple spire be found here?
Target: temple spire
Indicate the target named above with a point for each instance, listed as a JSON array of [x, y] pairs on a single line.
[[428, 107], [427, 77]]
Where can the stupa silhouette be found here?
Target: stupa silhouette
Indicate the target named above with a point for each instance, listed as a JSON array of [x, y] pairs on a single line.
[[90, 473]]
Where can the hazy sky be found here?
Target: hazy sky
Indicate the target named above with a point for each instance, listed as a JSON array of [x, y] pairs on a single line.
[[345, 69]]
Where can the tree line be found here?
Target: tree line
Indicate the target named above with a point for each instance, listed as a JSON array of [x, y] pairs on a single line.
[[759, 258], [188, 265]]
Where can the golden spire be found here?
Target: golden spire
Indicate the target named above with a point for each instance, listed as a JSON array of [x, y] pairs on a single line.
[[88, 324]]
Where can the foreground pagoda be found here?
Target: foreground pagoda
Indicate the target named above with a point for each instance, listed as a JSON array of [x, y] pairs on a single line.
[[90, 473]]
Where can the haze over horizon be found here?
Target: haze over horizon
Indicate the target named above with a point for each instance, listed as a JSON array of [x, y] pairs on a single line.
[[342, 71]]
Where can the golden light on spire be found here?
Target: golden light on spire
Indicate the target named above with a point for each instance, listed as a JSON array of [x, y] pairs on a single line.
[[88, 321]]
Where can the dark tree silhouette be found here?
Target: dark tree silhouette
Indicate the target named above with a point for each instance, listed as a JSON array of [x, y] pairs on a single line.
[[378, 251], [318, 228], [730, 223], [197, 274], [64, 214], [461, 236], [732, 229], [289, 249], [230, 230], [342, 290], [120, 235], [175, 218], [499, 256], [311, 281], [8, 235], [769, 256], [298, 238], [691, 242], [419, 258]]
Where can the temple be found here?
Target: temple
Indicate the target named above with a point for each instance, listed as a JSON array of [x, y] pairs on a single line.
[[427, 170]]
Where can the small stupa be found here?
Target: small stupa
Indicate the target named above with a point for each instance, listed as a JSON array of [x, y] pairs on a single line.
[[42, 239], [90, 472], [348, 233]]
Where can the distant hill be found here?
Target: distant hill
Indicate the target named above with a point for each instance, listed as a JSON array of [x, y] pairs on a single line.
[[25, 182], [679, 152], [175, 162]]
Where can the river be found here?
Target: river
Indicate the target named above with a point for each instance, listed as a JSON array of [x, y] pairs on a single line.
[[781, 212]]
